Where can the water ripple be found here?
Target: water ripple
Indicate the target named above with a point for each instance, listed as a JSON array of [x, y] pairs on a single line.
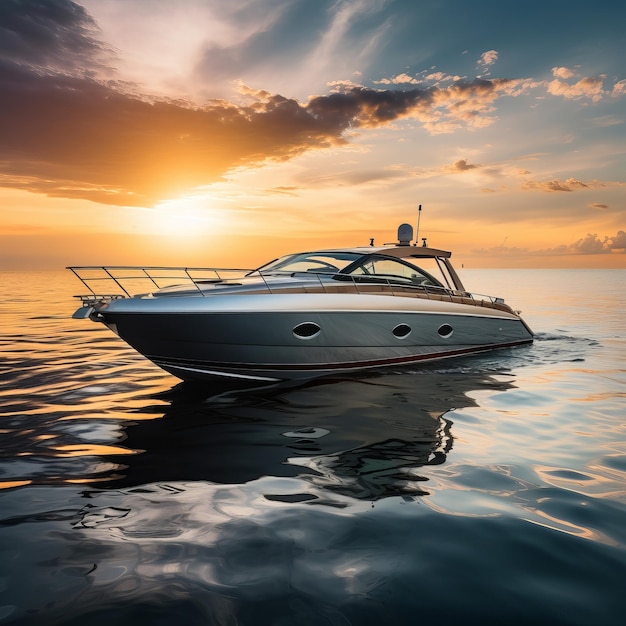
[[483, 489]]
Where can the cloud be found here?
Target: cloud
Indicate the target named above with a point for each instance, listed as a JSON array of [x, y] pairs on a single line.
[[619, 88], [563, 72], [589, 244], [618, 241], [274, 42], [438, 77], [488, 58], [592, 244], [368, 108], [51, 34], [73, 136], [588, 87], [282, 191], [68, 130], [397, 80], [571, 184], [461, 166], [607, 120]]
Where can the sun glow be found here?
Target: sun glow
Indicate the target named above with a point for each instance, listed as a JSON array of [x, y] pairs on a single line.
[[185, 217]]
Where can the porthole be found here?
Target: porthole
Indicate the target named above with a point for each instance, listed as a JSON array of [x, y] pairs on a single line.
[[401, 331], [306, 330], [445, 330]]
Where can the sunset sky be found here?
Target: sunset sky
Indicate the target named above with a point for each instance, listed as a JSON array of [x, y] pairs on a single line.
[[204, 132]]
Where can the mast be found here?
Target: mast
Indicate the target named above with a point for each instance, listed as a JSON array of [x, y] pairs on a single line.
[[419, 215]]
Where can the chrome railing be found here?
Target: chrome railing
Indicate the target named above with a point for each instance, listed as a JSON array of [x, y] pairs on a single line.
[[127, 278], [101, 280], [363, 283]]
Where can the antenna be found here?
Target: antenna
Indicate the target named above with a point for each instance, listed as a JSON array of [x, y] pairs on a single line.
[[419, 215]]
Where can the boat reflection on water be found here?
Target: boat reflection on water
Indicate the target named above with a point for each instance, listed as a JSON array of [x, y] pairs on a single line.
[[229, 506], [364, 438]]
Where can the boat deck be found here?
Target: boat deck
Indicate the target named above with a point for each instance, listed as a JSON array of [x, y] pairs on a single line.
[[106, 283]]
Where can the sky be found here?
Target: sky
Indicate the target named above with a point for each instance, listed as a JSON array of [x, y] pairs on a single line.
[[224, 134]]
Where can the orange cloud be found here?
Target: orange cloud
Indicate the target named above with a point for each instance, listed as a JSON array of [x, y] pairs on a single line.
[[486, 59], [66, 131], [619, 88], [618, 241], [397, 80], [590, 244], [571, 184], [461, 166], [75, 137], [589, 87], [563, 72]]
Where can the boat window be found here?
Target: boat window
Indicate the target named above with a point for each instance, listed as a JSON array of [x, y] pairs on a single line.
[[391, 269], [319, 262]]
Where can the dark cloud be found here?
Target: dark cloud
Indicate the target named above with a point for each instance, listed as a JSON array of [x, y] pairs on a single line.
[[67, 132], [50, 33], [618, 241], [75, 137], [461, 166], [363, 107]]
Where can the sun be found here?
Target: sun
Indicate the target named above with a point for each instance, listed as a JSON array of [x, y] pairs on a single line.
[[185, 217], [177, 223]]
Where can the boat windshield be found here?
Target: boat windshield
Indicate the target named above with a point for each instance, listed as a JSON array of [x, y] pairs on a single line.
[[318, 262], [362, 268], [396, 271]]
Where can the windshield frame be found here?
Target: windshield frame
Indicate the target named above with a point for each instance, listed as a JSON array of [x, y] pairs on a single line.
[[420, 271], [349, 262], [317, 260]]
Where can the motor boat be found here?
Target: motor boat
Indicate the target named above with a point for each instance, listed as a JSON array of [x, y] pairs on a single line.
[[304, 315]]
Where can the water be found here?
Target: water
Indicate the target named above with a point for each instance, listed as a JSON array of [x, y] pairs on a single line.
[[489, 489]]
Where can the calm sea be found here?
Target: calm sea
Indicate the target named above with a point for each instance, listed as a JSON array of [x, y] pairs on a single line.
[[482, 490]]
